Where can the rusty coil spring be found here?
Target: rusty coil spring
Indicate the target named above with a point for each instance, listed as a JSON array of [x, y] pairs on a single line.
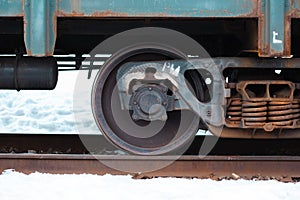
[[258, 113], [254, 113], [234, 111], [282, 113]]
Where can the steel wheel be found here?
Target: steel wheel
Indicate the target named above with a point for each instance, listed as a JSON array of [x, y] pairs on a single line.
[[117, 125]]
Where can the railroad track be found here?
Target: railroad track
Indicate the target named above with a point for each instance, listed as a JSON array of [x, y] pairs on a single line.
[[65, 154], [72, 144], [282, 168]]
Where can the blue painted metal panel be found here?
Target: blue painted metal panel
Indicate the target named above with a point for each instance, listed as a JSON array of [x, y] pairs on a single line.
[[11, 8], [40, 16], [175, 8], [40, 27], [276, 27], [274, 23], [178, 8]]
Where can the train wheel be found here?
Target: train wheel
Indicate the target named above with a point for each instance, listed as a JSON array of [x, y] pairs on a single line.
[[140, 136]]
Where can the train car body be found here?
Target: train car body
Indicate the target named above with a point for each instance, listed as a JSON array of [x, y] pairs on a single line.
[[253, 45]]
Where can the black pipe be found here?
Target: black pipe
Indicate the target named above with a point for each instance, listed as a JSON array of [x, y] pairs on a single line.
[[28, 73]]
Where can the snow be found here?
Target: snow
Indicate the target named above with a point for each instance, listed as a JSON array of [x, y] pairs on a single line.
[[38, 111], [16, 185], [43, 111]]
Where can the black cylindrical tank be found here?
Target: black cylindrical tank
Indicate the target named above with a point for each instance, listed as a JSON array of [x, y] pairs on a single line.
[[28, 73]]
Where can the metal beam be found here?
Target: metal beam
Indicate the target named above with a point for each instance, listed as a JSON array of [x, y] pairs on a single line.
[[158, 8], [271, 28], [40, 27], [146, 8], [40, 17]]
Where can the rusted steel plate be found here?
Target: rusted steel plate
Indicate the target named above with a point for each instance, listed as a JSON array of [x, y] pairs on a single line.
[[160, 8], [280, 167], [274, 17], [271, 28], [137, 8]]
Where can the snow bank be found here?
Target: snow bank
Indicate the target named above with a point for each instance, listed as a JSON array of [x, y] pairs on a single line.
[[15, 185]]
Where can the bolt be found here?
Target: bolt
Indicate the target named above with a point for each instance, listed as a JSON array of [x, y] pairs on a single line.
[[135, 117], [165, 103], [135, 103], [208, 114], [149, 88], [268, 127]]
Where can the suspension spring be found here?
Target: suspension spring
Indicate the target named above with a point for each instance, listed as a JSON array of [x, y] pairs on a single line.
[[254, 113], [282, 113], [257, 114]]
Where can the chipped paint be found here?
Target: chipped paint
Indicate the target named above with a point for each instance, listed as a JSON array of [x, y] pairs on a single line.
[[40, 27], [161, 8], [180, 9]]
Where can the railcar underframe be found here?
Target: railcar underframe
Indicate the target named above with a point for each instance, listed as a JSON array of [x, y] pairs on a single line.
[[252, 43]]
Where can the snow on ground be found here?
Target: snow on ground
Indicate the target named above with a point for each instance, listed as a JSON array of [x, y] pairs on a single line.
[[15, 185], [39, 111], [43, 111]]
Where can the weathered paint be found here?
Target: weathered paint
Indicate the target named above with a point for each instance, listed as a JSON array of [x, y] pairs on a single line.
[[147, 8], [40, 27], [294, 11], [296, 4], [272, 23], [11, 8], [40, 17]]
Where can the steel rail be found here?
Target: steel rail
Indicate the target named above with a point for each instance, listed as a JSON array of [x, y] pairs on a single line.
[[283, 168]]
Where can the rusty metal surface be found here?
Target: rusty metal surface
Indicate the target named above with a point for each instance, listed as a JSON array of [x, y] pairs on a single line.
[[227, 162], [274, 17], [245, 89], [260, 106], [163, 8], [253, 62], [279, 167], [231, 131], [40, 27], [135, 8], [290, 9], [215, 167], [294, 9]]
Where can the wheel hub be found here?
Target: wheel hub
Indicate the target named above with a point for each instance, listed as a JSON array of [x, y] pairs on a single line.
[[150, 103]]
